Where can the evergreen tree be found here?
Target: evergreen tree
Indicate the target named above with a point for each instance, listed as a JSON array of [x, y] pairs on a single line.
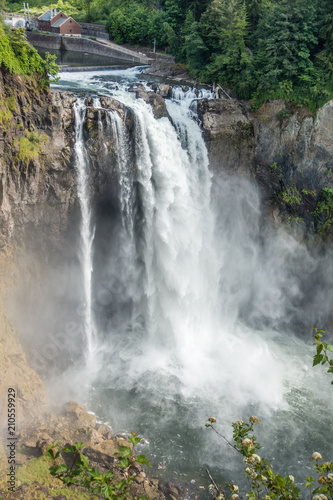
[[325, 56], [174, 14], [194, 50], [172, 39], [255, 9], [286, 36], [225, 25]]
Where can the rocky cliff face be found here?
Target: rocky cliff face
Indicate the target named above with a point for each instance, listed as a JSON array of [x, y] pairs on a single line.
[[288, 151], [35, 197], [39, 217]]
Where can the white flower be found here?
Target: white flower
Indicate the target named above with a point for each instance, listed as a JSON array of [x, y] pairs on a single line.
[[292, 479], [320, 497], [247, 443], [239, 423], [330, 476], [234, 497], [235, 487], [316, 456], [256, 457]]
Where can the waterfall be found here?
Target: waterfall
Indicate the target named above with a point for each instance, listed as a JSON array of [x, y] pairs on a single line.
[[86, 231], [117, 128], [185, 314], [200, 295], [181, 270]]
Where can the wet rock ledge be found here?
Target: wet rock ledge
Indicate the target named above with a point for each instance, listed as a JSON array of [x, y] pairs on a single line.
[[70, 425]]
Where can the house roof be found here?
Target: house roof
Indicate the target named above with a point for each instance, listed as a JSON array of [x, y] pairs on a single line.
[[46, 16], [60, 21]]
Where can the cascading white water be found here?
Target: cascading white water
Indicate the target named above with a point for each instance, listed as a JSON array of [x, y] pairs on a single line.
[[209, 297], [119, 131], [189, 329], [97, 105], [86, 232]]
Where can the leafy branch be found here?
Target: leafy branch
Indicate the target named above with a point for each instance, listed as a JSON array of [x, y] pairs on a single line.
[[322, 351], [264, 483], [80, 473]]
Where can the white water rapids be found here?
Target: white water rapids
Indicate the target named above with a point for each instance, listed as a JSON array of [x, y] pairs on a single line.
[[86, 230], [208, 292]]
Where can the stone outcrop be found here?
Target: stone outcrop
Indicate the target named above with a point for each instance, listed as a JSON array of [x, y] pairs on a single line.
[[37, 184], [166, 67], [229, 135], [156, 101], [287, 150], [71, 424]]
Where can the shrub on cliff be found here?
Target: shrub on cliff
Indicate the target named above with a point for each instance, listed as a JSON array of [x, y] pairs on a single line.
[[19, 57], [80, 473]]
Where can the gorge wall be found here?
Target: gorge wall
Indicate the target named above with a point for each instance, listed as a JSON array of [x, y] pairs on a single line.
[[39, 219], [35, 200], [287, 151]]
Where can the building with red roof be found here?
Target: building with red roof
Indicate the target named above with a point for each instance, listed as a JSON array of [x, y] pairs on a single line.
[[57, 22]]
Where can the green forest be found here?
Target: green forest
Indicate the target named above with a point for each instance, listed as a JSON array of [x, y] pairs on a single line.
[[259, 49]]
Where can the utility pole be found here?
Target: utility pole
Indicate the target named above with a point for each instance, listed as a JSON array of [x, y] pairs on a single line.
[[25, 16], [28, 23]]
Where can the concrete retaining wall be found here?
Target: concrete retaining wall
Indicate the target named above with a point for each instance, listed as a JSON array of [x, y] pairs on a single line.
[[85, 45], [97, 30], [45, 41]]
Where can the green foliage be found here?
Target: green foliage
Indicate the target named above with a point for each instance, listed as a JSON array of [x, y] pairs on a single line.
[[136, 24], [325, 56], [263, 481], [7, 107], [52, 68], [19, 57], [323, 213], [322, 351], [80, 473], [284, 113], [226, 26], [286, 35], [291, 196], [171, 38], [31, 146]]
